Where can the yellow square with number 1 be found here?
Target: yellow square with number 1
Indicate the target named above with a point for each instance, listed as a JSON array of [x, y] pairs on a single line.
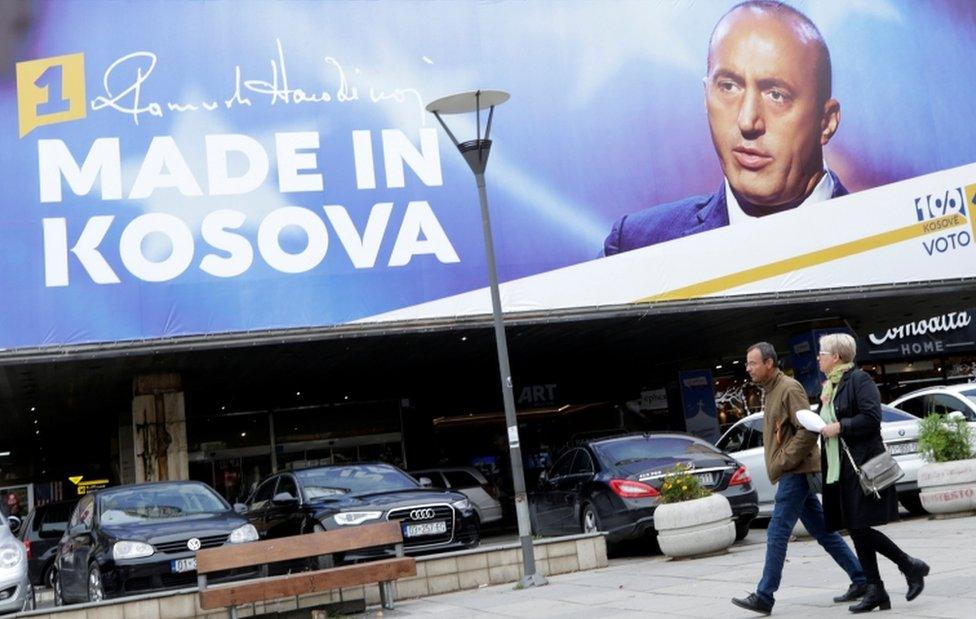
[[50, 90]]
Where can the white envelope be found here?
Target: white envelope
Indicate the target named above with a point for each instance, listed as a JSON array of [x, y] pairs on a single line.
[[811, 420]]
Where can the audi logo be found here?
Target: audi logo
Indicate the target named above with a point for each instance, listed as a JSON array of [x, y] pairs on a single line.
[[422, 514], [193, 544]]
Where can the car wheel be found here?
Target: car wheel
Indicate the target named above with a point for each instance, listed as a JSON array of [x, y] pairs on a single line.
[[30, 602], [912, 503], [47, 578], [58, 597], [741, 529], [96, 591], [589, 520]]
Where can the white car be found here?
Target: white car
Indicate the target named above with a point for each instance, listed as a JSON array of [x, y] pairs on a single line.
[[470, 482], [942, 399], [899, 430], [16, 591]]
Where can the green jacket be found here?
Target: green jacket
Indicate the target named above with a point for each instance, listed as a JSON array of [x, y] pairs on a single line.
[[789, 448]]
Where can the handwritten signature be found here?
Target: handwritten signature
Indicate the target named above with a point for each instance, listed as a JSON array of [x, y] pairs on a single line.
[[134, 70]]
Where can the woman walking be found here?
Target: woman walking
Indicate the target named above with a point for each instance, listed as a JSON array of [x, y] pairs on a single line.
[[852, 410]]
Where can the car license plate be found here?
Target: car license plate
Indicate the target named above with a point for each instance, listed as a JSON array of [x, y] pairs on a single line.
[[898, 449], [706, 479], [183, 565], [426, 528]]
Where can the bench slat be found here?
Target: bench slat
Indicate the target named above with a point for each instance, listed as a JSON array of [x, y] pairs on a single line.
[[275, 587], [234, 556]]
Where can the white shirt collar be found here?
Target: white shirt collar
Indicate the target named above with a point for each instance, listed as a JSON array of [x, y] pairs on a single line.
[[823, 191]]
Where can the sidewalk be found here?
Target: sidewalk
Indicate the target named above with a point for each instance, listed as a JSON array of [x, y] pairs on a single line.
[[638, 586]]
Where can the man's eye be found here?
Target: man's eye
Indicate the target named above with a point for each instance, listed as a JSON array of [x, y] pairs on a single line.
[[777, 96]]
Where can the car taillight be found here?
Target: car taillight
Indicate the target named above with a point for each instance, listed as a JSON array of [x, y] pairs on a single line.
[[740, 477], [27, 546], [629, 489]]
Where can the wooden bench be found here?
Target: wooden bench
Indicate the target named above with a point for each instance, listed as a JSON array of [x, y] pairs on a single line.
[[252, 554]]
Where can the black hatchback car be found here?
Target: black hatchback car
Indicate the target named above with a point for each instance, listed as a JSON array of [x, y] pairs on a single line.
[[144, 537], [338, 496], [41, 532], [613, 485]]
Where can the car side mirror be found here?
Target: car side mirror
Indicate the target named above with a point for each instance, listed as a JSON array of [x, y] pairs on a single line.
[[14, 523], [240, 508], [425, 482], [284, 499]]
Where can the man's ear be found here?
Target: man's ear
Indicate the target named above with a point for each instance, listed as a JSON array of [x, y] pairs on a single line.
[[829, 121]]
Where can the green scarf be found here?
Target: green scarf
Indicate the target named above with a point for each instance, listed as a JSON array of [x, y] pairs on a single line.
[[827, 414]]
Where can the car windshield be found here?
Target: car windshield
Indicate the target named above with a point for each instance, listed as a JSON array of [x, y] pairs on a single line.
[[638, 448], [889, 414], [354, 479], [159, 502], [971, 394]]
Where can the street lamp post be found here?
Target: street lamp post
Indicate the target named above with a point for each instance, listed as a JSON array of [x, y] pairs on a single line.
[[475, 153]]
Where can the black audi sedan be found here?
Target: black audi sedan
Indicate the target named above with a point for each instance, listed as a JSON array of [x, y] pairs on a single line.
[[613, 484], [144, 537], [334, 497]]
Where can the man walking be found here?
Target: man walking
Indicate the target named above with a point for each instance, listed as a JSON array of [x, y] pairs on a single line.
[[792, 460]]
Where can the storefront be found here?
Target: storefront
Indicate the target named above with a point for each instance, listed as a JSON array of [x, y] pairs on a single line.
[[921, 352]]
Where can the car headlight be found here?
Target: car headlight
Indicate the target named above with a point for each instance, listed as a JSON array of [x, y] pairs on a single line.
[[350, 518], [11, 555], [462, 504], [131, 550], [245, 533]]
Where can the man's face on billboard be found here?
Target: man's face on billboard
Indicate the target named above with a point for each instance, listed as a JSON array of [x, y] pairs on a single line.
[[768, 117]]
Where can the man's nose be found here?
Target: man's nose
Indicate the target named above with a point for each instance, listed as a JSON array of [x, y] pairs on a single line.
[[750, 120]]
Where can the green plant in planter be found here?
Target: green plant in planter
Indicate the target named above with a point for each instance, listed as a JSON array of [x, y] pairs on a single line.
[[680, 485], [944, 440]]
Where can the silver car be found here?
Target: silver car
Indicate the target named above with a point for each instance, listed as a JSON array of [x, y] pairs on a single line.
[[899, 430], [470, 482], [16, 591]]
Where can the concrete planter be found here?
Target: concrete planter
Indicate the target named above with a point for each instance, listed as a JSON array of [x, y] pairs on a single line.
[[948, 487], [697, 527]]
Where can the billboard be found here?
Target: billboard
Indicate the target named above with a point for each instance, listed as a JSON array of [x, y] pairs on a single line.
[[185, 168]]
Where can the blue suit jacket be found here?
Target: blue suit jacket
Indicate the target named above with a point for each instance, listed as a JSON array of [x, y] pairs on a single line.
[[676, 219]]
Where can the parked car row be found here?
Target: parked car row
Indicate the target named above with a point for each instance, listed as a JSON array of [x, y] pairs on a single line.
[[136, 538]]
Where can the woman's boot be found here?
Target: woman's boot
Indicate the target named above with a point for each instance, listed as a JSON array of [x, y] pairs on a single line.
[[915, 576], [874, 597]]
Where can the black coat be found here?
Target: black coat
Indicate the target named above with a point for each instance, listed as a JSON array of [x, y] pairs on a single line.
[[857, 405]]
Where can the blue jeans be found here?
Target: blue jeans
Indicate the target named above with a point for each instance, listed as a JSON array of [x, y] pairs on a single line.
[[795, 501]]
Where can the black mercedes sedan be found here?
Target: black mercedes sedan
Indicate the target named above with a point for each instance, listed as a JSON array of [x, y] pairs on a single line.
[[337, 496], [144, 537], [612, 484]]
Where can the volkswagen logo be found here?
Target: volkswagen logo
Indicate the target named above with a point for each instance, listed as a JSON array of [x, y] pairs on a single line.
[[422, 514], [193, 544]]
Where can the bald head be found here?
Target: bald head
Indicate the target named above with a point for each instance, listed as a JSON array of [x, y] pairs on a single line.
[[769, 105], [791, 23]]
